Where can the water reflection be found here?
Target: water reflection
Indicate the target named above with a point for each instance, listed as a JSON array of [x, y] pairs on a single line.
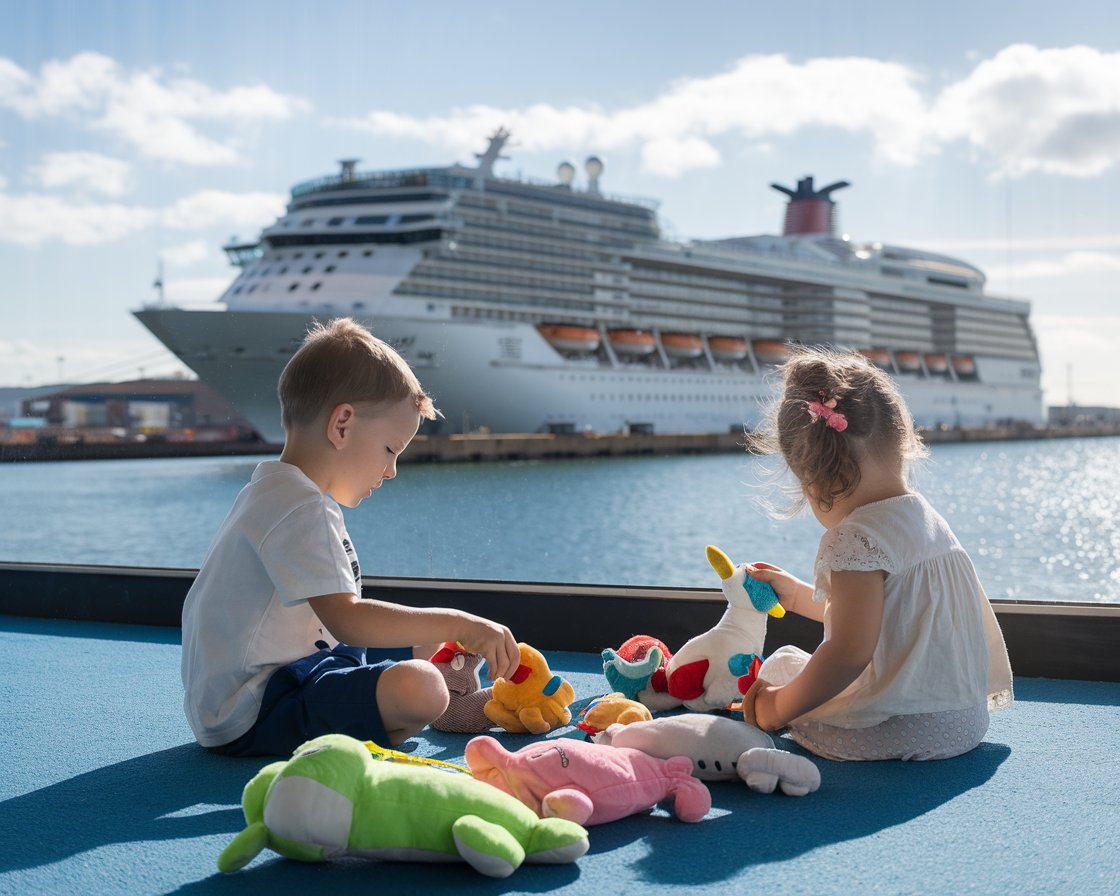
[[1039, 518]]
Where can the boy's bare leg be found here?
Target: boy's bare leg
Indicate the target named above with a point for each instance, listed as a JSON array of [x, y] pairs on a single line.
[[410, 695]]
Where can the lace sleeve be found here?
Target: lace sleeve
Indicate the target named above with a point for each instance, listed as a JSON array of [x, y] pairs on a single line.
[[847, 549]]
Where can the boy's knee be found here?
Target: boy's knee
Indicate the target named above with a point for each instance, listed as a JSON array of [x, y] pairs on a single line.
[[418, 688]]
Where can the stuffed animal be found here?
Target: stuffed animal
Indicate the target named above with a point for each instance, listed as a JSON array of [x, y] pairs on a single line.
[[611, 709], [466, 711], [721, 749], [588, 783], [629, 670], [333, 799], [717, 667], [533, 700]]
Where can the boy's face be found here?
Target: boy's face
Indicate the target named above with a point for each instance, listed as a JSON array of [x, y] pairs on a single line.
[[378, 435]]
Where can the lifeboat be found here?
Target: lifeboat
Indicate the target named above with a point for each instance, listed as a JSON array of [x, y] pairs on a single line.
[[908, 362], [937, 363], [727, 349], [682, 346], [877, 356], [964, 365], [771, 351], [570, 338], [632, 343]]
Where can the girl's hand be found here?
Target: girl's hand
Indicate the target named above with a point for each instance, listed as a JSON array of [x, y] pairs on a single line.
[[793, 594], [758, 706]]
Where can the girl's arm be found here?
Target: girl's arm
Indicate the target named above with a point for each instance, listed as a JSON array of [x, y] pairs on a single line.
[[856, 616], [375, 623], [795, 596]]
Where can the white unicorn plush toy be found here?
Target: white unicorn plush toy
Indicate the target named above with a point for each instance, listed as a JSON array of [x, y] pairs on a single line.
[[714, 669]]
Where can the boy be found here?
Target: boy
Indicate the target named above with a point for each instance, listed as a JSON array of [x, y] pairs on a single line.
[[268, 623]]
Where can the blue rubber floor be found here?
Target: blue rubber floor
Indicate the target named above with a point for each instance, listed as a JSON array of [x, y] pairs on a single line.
[[104, 791]]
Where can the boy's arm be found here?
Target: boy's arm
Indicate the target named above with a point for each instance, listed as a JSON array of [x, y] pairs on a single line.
[[374, 623]]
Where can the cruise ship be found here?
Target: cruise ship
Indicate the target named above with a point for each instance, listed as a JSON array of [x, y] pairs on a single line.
[[537, 306]]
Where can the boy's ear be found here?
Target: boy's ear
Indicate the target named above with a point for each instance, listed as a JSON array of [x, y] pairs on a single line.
[[339, 424]]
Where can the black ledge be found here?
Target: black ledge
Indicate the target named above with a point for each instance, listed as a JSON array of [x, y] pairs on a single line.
[[1078, 641]]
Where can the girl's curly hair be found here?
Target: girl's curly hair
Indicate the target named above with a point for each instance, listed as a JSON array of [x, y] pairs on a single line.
[[825, 460]]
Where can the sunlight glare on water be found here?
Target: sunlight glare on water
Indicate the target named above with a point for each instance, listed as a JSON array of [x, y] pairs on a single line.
[[1039, 518]]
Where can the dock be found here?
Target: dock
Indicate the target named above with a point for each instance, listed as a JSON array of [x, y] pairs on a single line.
[[477, 447]]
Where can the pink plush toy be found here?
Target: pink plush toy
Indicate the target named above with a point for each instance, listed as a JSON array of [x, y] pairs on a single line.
[[588, 783]]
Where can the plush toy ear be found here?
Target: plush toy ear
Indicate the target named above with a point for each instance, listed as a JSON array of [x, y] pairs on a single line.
[[244, 848], [253, 796]]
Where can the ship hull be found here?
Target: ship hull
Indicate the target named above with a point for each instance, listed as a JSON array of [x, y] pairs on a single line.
[[504, 377]]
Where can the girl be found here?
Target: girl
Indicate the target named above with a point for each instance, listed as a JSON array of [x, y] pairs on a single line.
[[912, 659]]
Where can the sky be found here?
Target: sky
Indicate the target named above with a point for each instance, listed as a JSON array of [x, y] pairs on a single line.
[[141, 136]]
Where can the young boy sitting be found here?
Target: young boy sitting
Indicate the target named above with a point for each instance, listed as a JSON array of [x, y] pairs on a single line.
[[269, 623]]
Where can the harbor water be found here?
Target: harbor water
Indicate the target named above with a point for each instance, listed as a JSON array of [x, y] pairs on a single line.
[[1040, 518]]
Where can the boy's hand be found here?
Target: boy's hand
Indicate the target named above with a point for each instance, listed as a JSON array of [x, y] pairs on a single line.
[[495, 643]]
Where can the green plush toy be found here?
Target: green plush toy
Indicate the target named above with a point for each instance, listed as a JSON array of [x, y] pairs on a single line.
[[333, 799]]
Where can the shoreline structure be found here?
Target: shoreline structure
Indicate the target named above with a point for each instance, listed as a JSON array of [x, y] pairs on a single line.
[[478, 447]]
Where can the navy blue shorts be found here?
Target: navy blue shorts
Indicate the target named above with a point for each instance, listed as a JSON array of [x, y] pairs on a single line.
[[329, 692]]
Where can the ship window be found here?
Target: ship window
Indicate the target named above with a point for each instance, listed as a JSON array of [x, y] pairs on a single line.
[[372, 219], [367, 253], [293, 287], [316, 285], [297, 255], [334, 222], [359, 304], [329, 269], [307, 222], [343, 254], [283, 270], [308, 269], [252, 288], [319, 254]]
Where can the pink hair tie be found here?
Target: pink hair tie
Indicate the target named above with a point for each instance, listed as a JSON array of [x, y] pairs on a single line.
[[824, 411]]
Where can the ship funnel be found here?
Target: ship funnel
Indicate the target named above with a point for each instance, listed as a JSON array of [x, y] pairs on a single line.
[[594, 167], [810, 210], [565, 172], [348, 167]]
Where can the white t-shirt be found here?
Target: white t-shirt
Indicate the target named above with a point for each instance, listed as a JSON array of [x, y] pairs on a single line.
[[246, 614], [940, 647]]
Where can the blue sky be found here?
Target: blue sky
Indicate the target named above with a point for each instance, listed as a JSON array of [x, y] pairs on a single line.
[[138, 132]]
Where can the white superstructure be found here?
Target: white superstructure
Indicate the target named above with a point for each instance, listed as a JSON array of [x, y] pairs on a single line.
[[527, 306]]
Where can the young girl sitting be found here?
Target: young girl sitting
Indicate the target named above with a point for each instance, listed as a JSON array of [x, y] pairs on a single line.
[[912, 659]]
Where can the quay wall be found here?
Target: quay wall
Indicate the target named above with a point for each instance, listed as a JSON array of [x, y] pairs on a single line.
[[495, 447]]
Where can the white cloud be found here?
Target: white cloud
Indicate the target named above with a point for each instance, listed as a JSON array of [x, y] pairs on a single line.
[[160, 117], [1079, 357], [33, 219], [212, 208], [186, 254], [669, 156], [91, 172], [1031, 109], [1083, 262], [1025, 109], [760, 97]]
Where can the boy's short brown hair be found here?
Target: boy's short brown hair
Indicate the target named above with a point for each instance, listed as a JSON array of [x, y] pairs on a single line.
[[342, 361]]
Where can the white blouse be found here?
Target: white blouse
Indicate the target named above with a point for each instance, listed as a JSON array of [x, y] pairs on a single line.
[[940, 647]]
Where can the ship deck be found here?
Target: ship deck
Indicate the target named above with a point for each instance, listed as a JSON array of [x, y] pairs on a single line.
[[111, 795]]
